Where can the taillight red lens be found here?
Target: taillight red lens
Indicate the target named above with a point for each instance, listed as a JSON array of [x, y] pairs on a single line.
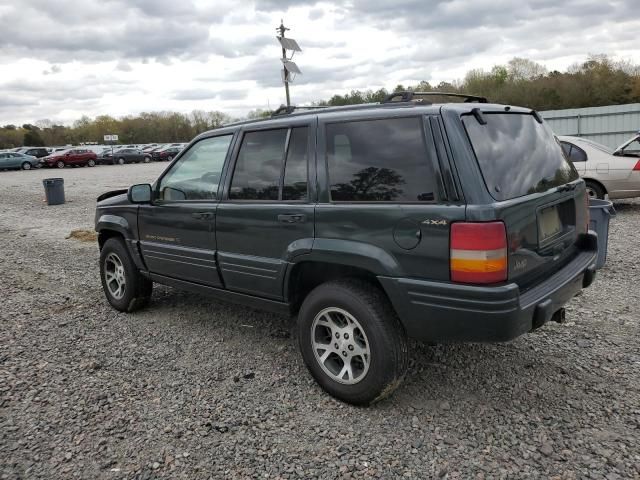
[[478, 252], [637, 167]]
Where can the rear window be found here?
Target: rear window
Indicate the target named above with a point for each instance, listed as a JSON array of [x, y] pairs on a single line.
[[517, 155]]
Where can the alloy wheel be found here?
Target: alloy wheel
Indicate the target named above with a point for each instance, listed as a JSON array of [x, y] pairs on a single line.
[[340, 345], [114, 276]]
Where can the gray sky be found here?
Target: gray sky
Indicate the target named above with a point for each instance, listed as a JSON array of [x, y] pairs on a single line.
[[61, 59]]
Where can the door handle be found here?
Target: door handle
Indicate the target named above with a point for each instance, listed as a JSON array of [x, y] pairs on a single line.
[[202, 215], [292, 218]]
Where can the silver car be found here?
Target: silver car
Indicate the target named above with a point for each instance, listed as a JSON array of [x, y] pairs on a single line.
[[18, 160], [607, 172]]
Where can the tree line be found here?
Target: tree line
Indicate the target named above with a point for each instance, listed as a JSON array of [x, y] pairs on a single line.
[[598, 81]]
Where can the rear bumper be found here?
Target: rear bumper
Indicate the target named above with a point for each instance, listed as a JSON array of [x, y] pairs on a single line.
[[447, 312]]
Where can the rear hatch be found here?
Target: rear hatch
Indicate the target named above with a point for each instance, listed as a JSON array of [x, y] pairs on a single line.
[[537, 192]]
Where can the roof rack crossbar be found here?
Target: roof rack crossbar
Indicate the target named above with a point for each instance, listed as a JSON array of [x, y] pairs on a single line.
[[408, 96]]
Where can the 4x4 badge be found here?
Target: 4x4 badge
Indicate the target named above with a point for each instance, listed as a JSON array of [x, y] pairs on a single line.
[[434, 222]]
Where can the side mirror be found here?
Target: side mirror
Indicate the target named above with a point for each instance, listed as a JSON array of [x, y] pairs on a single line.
[[140, 193]]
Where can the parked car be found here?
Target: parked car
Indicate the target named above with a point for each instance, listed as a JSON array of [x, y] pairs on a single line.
[[445, 223], [18, 160], [166, 154], [129, 155], [76, 157], [38, 152], [105, 157], [604, 171]]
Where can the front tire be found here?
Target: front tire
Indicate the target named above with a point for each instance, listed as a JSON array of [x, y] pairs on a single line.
[[147, 159], [352, 341], [60, 164], [121, 161], [125, 288], [26, 166], [595, 190], [169, 158], [91, 163]]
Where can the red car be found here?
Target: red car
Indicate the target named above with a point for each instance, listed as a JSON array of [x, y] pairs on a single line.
[[74, 156]]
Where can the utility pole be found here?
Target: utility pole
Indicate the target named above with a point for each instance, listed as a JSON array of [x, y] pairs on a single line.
[[288, 67], [283, 29]]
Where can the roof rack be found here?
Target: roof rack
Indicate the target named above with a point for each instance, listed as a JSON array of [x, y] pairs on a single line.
[[286, 110], [409, 96]]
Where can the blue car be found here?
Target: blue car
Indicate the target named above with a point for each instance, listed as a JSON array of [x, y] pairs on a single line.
[[18, 160]]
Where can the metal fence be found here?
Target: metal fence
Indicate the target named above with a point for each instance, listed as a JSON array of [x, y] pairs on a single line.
[[610, 125]]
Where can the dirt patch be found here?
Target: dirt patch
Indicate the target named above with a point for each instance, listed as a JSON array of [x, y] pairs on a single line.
[[83, 235]]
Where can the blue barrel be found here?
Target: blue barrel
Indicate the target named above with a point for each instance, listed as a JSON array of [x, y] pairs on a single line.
[[54, 190], [600, 212]]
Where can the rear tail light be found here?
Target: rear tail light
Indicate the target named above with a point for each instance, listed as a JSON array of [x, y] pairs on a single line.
[[637, 167], [478, 252]]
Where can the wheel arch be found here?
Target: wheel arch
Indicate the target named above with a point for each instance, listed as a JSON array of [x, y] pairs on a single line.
[[597, 182], [109, 226], [120, 229], [302, 277]]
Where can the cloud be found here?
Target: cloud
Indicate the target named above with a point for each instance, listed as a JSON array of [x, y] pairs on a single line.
[[125, 56], [123, 66], [209, 94], [54, 69], [316, 14]]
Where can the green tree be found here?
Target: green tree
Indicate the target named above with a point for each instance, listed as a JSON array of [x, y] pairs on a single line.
[[32, 138]]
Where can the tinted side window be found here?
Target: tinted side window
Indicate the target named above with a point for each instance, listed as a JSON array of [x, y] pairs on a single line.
[[379, 160], [577, 154], [258, 167], [197, 174], [295, 172]]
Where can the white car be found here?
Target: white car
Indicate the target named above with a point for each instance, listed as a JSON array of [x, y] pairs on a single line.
[[607, 172]]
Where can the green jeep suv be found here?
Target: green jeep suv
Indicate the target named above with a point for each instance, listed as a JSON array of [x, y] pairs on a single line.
[[371, 224]]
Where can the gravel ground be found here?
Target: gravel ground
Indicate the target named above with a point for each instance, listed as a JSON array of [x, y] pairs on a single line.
[[193, 388]]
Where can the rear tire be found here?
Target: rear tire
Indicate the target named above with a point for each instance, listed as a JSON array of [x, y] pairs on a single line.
[[595, 190], [125, 288], [363, 338], [26, 166]]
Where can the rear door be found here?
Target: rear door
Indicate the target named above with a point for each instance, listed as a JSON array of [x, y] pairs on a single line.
[[532, 187], [388, 194], [176, 231], [267, 215], [75, 157], [7, 160]]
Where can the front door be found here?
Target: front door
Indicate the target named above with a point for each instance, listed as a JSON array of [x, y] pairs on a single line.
[[177, 235], [267, 215]]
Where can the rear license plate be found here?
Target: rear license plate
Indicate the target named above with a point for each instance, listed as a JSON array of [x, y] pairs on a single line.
[[548, 224]]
